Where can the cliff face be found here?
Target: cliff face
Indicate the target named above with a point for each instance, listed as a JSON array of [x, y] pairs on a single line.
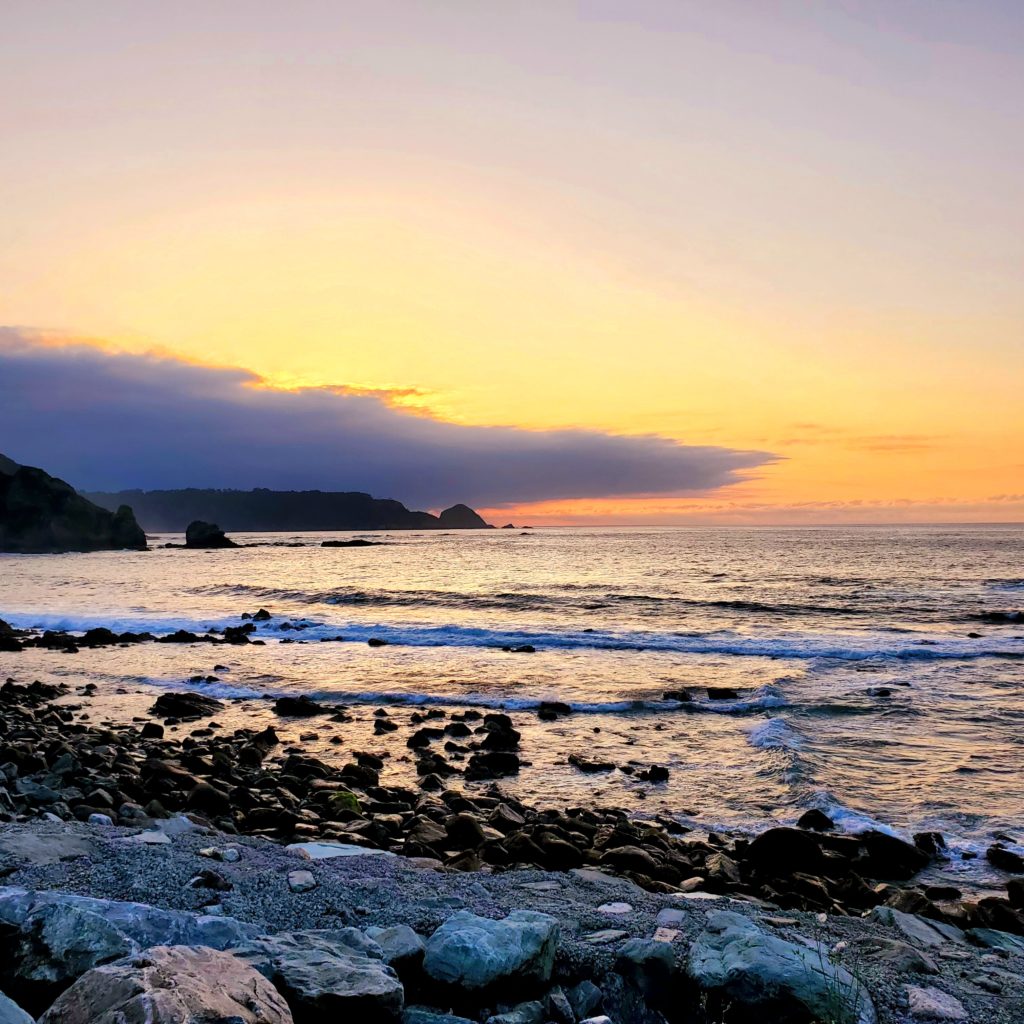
[[264, 511], [39, 513]]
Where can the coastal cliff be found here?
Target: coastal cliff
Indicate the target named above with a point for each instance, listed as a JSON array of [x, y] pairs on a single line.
[[265, 511], [39, 513]]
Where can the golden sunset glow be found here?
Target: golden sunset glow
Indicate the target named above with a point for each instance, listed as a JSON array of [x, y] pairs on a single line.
[[482, 245]]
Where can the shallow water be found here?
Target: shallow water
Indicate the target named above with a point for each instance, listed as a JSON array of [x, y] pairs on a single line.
[[810, 626]]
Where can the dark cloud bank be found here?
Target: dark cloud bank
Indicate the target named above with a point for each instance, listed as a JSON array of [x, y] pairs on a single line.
[[111, 422]]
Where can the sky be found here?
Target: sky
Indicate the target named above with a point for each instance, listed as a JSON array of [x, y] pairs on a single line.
[[592, 262]]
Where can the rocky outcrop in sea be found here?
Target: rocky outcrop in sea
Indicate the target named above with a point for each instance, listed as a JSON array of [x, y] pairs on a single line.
[[41, 514]]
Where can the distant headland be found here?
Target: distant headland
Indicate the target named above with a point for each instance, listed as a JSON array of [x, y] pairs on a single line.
[[265, 511]]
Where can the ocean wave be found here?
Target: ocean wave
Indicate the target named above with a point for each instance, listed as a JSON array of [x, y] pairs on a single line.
[[856, 647], [527, 601], [775, 734], [761, 699]]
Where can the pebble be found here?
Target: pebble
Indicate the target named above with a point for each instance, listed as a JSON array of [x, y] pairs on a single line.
[[301, 881], [615, 908], [604, 936], [933, 1004]]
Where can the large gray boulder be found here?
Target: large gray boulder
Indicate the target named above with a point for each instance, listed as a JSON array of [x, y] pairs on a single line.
[[12, 1013], [402, 947], [738, 960], [51, 938], [171, 985], [477, 953], [328, 974]]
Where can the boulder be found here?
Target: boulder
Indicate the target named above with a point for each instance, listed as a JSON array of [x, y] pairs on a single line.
[[742, 964], [328, 974], [779, 852], [933, 1004], [12, 1013], [477, 953], [299, 707], [39, 513], [649, 965], [171, 985], [188, 705], [402, 947], [51, 938], [887, 856], [206, 535]]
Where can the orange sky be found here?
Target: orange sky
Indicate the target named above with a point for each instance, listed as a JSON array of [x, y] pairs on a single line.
[[800, 233]]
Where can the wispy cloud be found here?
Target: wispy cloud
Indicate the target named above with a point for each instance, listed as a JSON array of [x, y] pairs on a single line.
[[107, 420]]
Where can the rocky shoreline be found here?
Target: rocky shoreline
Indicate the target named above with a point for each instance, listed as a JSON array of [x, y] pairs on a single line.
[[65, 772]]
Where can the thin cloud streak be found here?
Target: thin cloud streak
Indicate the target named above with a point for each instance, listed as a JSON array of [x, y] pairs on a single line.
[[110, 421]]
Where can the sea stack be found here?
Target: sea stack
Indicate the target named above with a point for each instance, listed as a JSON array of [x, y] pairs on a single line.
[[206, 535], [462, 517]]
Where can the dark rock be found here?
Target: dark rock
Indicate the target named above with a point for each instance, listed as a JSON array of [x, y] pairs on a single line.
[[1005, 860], [206, 535], [152, 731], [39, 513], [817, 821], [461, 517], [887, 856], [722, 693], [780, 852], [590, 767], [492, 764], [186, 706], [299, 707]]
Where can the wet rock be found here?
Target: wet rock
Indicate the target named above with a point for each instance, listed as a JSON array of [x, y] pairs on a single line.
[[589, 767], [1005, 860], [299, 707], [477, 953], [817, 821], [722, 693], [185, 706], [779, 852], [492, 764], [886, 856], [171, 985], [737, 962]]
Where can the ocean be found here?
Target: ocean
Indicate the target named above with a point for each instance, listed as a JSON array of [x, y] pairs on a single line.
[[877, 673]]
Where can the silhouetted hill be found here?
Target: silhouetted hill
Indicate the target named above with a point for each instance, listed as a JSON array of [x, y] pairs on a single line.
[[266, 511], [39, 513]]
